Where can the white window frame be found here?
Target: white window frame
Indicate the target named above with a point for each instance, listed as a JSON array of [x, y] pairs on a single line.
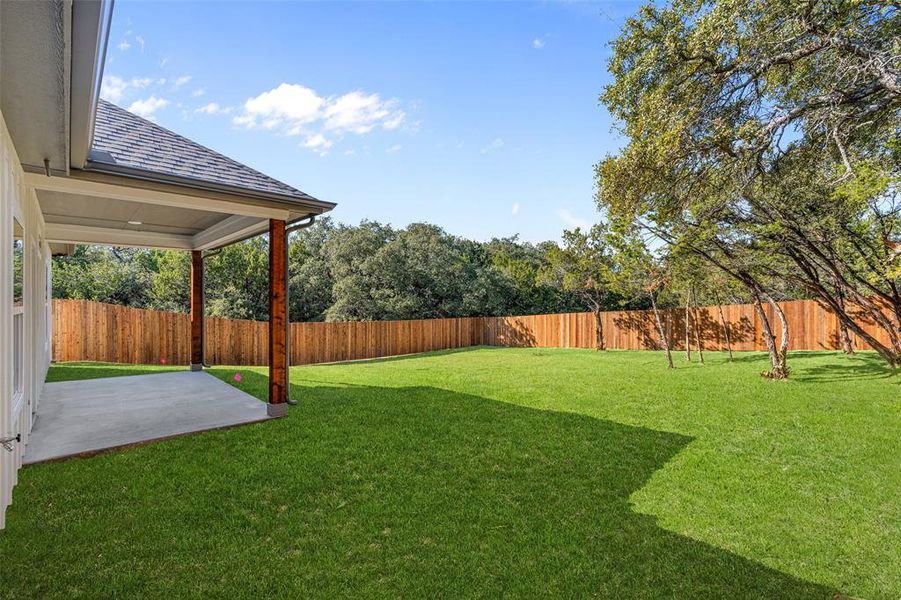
[[18, 319]]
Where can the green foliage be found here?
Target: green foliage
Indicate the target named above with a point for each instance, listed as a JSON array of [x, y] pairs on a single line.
[[170, 287], [762, 138], [336, 272], [114, 275], [582, 265], [237, 281]]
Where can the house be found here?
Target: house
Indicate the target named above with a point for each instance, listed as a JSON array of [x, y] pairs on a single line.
[[77, 169]]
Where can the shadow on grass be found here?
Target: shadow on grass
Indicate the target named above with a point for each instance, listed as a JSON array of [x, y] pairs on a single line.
[[863, 365], [807, 365], [372, 491], [72, 371], [403, 357]]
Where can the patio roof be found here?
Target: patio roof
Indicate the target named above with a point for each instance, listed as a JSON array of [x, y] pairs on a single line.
[[127, 144], [144, 185]]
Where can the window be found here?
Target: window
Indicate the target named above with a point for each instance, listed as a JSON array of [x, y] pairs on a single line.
[[18, 311]]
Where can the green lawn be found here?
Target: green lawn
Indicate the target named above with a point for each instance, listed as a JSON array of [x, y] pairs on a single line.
[[517, 472]]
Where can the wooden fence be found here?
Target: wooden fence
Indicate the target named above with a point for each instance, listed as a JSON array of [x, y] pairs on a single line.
[[91, 331]]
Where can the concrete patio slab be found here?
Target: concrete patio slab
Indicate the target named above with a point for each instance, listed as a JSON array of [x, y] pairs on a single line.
[[86, 416]]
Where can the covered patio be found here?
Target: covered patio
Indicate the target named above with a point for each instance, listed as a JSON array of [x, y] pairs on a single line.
[[78, 418], [145, 186], [77, 169]]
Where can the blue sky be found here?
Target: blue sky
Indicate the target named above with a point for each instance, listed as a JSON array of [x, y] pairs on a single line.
[[480, 117]]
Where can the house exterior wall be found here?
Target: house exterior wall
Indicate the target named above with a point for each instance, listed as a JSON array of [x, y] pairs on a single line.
[[19, 203]]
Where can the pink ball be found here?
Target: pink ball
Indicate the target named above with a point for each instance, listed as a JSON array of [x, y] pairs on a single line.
[[237, 377], [163, 361]]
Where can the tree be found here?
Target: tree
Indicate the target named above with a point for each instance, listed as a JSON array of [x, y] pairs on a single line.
[[170, 280], [237, 281], [350, 255], [635, 272], [521, 265], [113, 275], [310, 280], [723, 103], [582, 266]]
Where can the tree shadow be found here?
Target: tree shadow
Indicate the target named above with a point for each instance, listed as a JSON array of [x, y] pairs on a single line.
[[808, 366], [863, 365], [405, 357], [409, 491], [740, 332], [710, 329], [512, 333], [643, 325]]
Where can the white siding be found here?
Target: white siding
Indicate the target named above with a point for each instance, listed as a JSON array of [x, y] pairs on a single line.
[[19, 202]]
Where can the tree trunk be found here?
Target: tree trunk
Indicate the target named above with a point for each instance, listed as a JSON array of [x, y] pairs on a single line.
[[663, 339], [719, 308], [844, 337], [777, 363], [598, 331], [687, 330], [784, 338], [697, 327]]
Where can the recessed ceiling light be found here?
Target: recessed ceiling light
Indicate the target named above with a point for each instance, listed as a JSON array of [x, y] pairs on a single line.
[[135, 223]]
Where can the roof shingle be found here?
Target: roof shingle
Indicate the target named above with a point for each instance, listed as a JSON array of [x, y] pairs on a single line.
[[125, 140]]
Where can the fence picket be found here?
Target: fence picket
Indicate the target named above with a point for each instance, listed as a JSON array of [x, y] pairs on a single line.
[[84, 330]]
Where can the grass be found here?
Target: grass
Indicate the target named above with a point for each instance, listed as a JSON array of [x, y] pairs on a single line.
[[516, 472]]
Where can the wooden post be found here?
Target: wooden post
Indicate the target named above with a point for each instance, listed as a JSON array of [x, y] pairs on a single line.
[[196, 310], [278, 320]]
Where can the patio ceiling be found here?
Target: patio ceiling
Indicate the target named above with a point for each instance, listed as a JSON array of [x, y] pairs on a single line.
[[113, 212]]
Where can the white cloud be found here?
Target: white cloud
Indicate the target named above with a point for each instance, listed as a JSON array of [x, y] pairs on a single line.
[[572, 220], [357, 112], [317, 142], [393, 149], [494, 145], [395, 121], [291, 103], [515, 209], [113, 88], [294, 109], [539, 43], [181, 81], [214, 108], [349, 152], [148, 106], [140, 40], [124, 45], [198, 93]]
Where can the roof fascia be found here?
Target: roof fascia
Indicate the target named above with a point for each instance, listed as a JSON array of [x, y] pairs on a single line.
[[95, 169], [90, 38]]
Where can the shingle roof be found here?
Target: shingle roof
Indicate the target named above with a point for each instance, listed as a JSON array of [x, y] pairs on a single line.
[[125, 141]]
